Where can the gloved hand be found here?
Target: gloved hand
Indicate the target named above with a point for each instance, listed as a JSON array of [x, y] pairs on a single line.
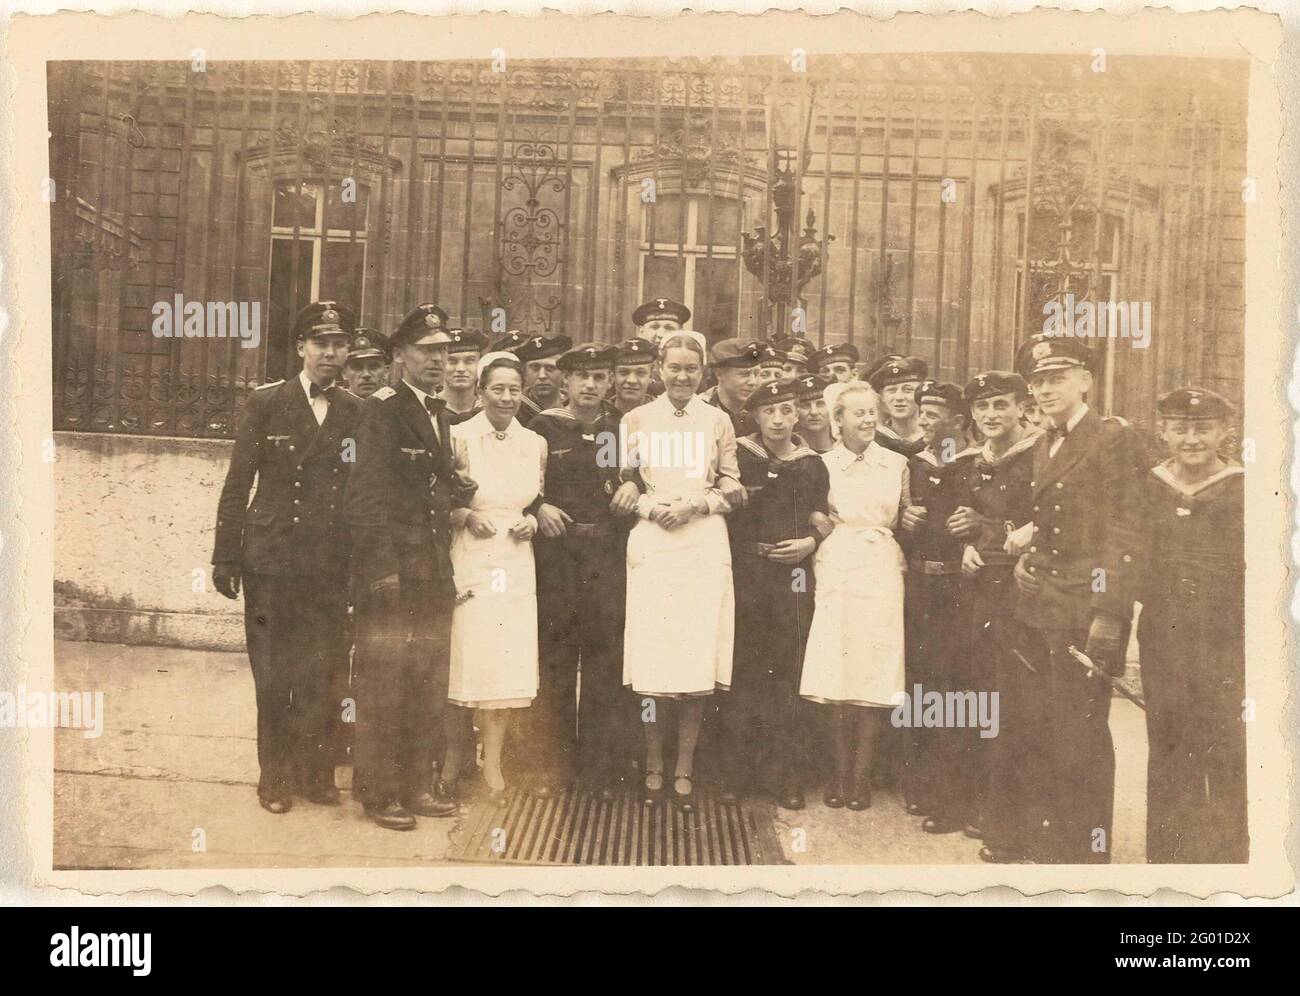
[[226, 578], [1106, 643]]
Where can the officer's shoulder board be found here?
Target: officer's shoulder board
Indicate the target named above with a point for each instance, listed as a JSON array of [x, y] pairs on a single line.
[[384, 393], [274, 383]]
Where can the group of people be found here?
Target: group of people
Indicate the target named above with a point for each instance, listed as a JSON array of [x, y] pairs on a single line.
[[578, 565]]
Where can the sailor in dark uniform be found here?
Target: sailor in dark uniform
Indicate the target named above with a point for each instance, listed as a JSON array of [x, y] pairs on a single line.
[[541, 374], [796, 355], [936, 608], [734, 363], [836, 361], [1077, 584], [1191, 635], [368, 363], [896, 378], [460, 376], [814, 419], [580, 588], [998, 512], [633, 374], [398, 510], [284, 548], [771, 364], [657, 317], [772, 540]]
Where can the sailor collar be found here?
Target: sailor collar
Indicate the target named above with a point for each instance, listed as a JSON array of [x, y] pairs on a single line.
[[1165, 474]]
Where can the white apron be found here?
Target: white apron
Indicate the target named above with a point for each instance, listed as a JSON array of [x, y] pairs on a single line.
[[855, 647], [494, 625]]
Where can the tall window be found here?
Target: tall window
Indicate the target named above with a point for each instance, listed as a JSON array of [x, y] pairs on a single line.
[[330, 252], [678, 263]]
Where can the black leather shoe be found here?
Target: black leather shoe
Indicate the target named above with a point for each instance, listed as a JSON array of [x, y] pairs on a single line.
[[940, 824], [973, 832], [446, 791], [324, 795], [861, 797], [277, 806], [1000, 856], [391, 816], [915, 809], [729, 795], [684, 801], [834, 795], [791, 798], [427, 804]]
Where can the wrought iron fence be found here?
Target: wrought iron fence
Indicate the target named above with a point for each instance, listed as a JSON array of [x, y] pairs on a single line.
[[929, 204]]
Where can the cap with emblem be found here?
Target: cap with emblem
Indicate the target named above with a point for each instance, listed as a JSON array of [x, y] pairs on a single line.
[[539, 347], [796, 347], [323, 318], [588, 356], [1042, 353], [894, 369], [770, 356], [635, 350], [660, 309], [934, 392], [511, 341], [426, 325], [735, 353], [991, 383], [368, 342], [466, 341], [811, 386], [836, 352], [773, 392], [1195, 403]]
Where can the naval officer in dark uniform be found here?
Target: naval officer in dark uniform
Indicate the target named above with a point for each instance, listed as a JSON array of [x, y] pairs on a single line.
[[284, 548], [1077, 584], [1191, 635], [398, 511]]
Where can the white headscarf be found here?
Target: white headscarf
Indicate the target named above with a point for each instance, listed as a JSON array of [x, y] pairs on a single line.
[[488, 358], [690, 334], [832, 394]]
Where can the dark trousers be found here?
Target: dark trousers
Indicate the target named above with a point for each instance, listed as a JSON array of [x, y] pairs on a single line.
[[577, 726], [296, 634], [402, 661], [760, 736], [1196, 761], [1009, 772], [936, 614], [1071, 773]]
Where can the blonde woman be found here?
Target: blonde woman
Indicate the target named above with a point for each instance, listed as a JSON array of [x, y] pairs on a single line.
[[853, 664]]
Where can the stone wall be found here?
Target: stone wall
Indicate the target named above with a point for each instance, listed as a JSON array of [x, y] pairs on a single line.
[[133, 524]]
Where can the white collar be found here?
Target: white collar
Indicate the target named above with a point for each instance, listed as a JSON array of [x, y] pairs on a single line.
[[419, 395], [1026, 442], [1074, 419], [307, 382], [845, 456], [1165, 473], [481, 425]]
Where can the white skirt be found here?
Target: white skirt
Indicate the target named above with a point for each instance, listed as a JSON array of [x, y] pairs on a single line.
[[680, 628], [855, 652]]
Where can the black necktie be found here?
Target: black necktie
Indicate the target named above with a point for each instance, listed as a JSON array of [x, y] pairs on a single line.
[[1056, 432]]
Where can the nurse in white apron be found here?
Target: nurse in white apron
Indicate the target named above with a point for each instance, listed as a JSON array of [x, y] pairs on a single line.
[[494, 626], [680, 619], [854, 659]]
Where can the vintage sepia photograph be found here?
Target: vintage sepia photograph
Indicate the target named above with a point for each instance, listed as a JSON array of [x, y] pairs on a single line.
[[803, 455]]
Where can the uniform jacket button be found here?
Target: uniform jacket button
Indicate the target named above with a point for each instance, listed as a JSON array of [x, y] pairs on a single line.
[[1055, 553], [297, 484], [1036, 508], [1056, 530], [1054, 574], [297, 502], [296, 519], [1059, 485], [1033, 549], [1056, 508]]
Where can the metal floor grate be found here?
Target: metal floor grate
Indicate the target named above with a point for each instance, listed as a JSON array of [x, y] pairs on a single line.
[[575, 828]]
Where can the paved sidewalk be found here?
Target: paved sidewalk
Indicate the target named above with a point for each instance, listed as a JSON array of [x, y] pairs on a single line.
[[177, 763]]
